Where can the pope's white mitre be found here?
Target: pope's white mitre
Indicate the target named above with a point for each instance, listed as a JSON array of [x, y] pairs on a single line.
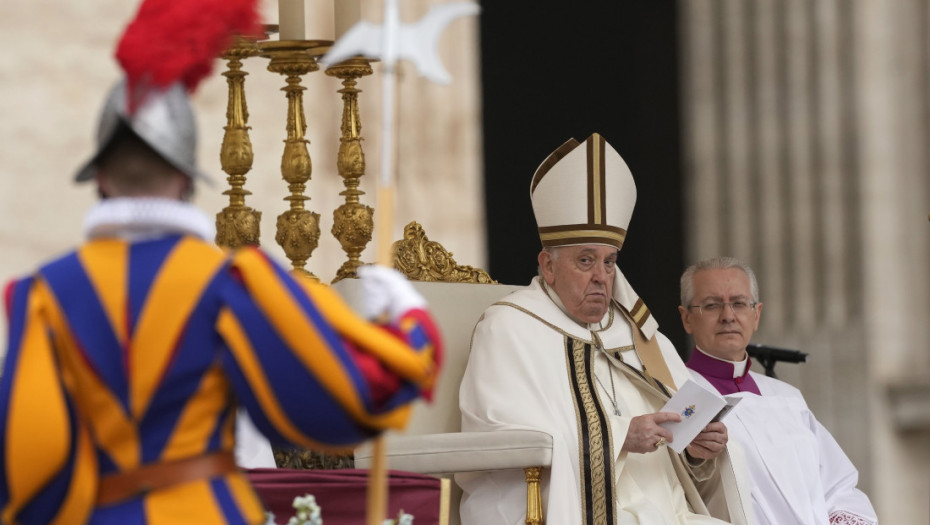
[[583, 193]]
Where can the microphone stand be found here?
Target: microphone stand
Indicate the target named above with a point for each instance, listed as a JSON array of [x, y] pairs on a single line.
[[767, 356]]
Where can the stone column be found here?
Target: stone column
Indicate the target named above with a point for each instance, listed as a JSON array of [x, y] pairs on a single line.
[[893, 77], [806, 126]]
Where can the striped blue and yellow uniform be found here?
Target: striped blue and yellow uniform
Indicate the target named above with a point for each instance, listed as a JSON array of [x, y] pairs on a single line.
[[126, 354]]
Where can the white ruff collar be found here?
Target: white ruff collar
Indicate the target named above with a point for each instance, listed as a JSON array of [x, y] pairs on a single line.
[[138, 219]]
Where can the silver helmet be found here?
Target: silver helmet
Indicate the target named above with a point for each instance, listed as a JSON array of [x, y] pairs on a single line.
[[165, 121]]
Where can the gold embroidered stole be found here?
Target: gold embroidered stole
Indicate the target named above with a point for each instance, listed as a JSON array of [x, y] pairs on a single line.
[[650, 355], [595, 453]]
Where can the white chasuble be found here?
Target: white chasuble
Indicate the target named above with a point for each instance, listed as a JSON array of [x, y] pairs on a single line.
[[532, 367]]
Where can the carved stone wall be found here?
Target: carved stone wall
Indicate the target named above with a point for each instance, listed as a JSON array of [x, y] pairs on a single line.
[[806, 132]]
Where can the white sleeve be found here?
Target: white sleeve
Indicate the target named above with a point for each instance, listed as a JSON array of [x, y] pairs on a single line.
[[845, 503], [516, 379], [253, 450]]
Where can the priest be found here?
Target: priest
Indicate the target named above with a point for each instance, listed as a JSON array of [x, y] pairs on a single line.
[[800, 475], [578, 355]]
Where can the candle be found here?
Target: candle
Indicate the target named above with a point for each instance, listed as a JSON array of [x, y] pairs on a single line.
[[291, 20], [347, 14]]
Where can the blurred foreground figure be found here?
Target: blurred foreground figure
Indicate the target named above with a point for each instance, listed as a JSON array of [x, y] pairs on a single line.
[[128, 357]]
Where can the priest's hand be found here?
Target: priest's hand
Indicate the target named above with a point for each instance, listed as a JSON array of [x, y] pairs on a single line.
[[710, 442], [645, 434]]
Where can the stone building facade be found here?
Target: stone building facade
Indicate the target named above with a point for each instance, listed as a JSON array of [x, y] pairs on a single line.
[[806, 132]]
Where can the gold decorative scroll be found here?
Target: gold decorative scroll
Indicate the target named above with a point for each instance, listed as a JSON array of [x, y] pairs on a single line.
[[237, 225], [298, 229], [421, 259], [352, 221]]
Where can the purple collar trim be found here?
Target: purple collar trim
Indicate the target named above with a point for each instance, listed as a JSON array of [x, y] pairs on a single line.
[[720, 374]]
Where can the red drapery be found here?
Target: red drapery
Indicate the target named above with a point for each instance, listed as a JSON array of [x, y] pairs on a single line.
[[341, 494]]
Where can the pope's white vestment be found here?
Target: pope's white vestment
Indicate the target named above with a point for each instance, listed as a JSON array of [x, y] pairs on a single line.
[[799, 474], [533, 367]]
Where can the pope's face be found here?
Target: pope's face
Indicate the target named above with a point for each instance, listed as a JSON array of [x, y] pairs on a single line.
[[583, 278], [723, 333]]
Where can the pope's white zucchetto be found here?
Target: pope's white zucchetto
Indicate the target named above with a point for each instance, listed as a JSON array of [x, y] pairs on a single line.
[[583, 193]]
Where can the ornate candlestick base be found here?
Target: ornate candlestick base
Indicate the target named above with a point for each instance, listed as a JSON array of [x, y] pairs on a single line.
[[298, 229], [352, 221], [353, 224]]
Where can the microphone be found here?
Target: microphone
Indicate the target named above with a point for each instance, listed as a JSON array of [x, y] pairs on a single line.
[[763, 354]]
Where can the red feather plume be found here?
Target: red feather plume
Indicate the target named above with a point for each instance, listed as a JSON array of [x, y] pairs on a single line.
[[178, 40]]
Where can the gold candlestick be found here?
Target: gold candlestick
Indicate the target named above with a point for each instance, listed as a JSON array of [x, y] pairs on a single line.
[[298, 230], [237, 225], [352, 221]]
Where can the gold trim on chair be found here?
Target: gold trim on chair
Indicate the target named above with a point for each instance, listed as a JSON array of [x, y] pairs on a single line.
[[421, 259], [534, 512]]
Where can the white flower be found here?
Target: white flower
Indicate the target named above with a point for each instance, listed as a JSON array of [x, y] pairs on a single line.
[[309, 513], [402, 519]]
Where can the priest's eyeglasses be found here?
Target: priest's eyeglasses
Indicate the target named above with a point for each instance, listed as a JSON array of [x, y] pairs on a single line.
[[715, 309]]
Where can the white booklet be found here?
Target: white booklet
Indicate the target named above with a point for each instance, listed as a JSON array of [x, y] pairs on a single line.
[[697, 407]]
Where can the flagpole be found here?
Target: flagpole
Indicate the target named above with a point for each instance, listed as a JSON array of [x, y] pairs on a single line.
[[384, 212], [384, 209]]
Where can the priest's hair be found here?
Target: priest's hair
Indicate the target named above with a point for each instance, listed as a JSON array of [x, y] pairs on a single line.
[[716, 263]]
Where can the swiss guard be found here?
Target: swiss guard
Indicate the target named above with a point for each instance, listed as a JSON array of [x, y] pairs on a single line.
[[128, 357]]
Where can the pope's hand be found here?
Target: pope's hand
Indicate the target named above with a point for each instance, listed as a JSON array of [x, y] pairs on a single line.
[[710, 442], [645, 434]]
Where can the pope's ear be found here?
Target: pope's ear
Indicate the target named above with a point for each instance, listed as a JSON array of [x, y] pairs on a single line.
[[545, 261]]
